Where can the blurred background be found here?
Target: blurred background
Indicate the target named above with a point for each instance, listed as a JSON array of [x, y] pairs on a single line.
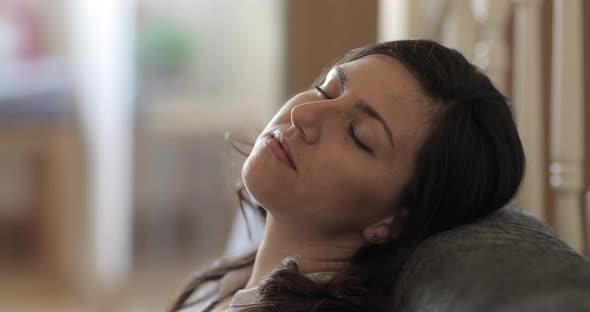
[[115, 178]]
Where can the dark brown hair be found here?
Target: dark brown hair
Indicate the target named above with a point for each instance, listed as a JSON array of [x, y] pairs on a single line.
[[471, 164]]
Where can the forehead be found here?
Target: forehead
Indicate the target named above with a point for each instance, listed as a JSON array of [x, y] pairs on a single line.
[[392, 90], [380, 74]]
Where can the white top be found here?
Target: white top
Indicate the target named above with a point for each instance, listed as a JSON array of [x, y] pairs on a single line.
[[232, 281]]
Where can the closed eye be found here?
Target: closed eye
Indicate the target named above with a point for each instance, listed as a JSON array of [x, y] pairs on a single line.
[[355, 139], [321, 91]]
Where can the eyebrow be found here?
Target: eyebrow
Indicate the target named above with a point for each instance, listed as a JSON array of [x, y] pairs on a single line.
[[365, 107]]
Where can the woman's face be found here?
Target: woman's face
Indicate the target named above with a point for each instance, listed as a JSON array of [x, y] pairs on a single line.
[[347, 148]]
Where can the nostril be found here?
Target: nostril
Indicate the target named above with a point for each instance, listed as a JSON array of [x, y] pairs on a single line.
[[305, 121], [301, 129]]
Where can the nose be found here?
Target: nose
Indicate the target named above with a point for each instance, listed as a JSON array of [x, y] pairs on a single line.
[[311, 118]]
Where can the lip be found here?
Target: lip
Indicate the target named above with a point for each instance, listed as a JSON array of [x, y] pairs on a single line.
[[285, 146], [279, 147]]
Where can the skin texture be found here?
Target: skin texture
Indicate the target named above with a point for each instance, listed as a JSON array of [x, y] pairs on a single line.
[[339, 195]]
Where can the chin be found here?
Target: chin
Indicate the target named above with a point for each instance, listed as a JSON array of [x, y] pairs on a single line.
[[264, 186], [256, 179], [267, 180]]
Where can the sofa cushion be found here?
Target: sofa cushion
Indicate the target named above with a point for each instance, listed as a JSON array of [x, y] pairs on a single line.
[[508, 261]]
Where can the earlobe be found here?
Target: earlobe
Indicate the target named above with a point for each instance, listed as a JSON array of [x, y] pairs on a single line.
[[381, 231], [385, 229]]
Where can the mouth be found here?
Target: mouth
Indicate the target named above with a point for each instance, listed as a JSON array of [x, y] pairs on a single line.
[[285, 153]]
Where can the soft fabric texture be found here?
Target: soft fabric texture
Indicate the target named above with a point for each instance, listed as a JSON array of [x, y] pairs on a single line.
[[508, 261], [209, 292]]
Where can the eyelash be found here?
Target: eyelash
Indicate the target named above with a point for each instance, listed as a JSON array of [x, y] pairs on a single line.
[[356, 141], [321, 91]]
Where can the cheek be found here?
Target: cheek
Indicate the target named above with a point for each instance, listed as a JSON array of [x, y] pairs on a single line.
[[346, 192]]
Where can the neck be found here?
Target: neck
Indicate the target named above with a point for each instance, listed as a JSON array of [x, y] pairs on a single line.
[[313, 254]]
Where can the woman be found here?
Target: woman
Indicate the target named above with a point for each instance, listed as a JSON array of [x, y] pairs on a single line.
[[396, 142]]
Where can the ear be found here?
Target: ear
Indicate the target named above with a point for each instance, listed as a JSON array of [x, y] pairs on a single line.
[[382, 230]]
